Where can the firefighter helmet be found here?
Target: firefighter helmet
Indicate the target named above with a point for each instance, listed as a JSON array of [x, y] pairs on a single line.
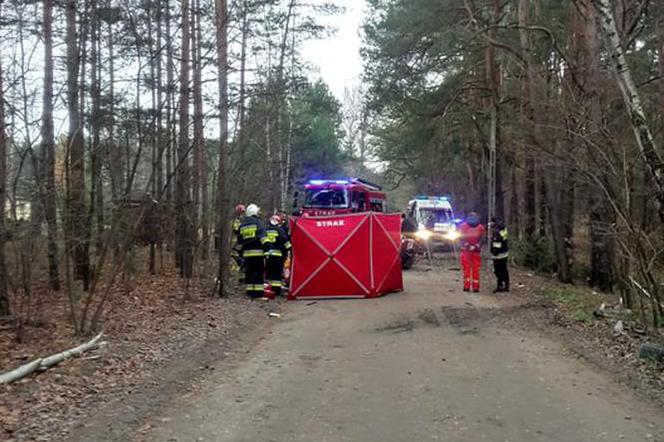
[[252, 210]]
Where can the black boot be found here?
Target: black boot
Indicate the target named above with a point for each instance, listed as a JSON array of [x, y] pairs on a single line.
[[498, 289], [506, 287]]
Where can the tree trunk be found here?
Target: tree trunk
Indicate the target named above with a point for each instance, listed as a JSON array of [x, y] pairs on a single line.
[[96, 179], [241, 131], [554, 179], [496, 197], [601, 215], [199, 137], [170, 100], [528, 118], [184, 246], [159, 168], [223, 226], [115, 151], [78, 214], [4, 296], [49, 195], [280, 190]]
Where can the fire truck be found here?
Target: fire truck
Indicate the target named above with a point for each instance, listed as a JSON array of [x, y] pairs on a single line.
[[339, 197]]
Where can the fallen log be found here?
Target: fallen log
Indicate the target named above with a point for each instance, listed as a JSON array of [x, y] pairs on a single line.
[[20, 372], [42, 364]]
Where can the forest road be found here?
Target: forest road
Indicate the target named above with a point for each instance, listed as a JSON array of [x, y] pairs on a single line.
[[426, 364]]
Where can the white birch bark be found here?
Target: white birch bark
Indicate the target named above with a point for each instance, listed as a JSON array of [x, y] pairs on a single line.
[[630, 93]]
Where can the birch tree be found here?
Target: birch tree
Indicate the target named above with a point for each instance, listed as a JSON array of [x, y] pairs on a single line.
[[650, 152]]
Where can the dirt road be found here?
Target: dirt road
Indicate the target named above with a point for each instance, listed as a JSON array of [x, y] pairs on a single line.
[[427, 364]]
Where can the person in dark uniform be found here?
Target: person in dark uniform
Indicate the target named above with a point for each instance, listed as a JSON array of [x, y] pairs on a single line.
[[277, 246], [236, 251], [251, 237], [408, 224], [283, 222], [500, 253]]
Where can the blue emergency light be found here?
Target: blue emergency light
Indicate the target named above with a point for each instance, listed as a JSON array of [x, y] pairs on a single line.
[[432, 198], [323, 182]]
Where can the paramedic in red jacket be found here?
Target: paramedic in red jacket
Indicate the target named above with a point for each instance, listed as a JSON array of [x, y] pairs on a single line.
[[473, 235]]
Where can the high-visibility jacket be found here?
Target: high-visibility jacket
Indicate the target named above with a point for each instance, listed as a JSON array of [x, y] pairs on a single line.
[[235, 227], [251, 237], [276, 241], [499, 246]]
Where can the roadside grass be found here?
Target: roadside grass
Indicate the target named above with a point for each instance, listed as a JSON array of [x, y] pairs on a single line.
[[576, 302], [593, 334], [579, 303]]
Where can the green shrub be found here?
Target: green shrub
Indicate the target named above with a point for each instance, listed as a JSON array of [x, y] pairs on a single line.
[[581, 315], [535, 253]]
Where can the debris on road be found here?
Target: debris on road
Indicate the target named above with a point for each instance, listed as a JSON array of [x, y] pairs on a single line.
[[619, 328], [274, 315], [600, 312]]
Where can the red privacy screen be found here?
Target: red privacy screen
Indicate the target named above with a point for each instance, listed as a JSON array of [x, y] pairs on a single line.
[[353, 256]]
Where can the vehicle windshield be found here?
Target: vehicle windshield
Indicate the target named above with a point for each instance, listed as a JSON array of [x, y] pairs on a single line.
[[430, 217], [319, 198]]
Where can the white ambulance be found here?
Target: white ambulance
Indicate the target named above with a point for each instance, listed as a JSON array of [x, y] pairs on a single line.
[[435, 219]]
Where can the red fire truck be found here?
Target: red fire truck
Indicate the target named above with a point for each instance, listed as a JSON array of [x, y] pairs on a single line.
[[338, 197]]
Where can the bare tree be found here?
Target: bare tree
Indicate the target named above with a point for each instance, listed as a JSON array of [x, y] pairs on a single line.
[[644, 139], [77, 211], [184, 246], [199, 176], [4, 298], [49, 195], [223, 225]]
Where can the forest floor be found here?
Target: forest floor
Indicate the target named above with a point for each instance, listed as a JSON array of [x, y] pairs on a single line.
[[159, 343], [430, 363]]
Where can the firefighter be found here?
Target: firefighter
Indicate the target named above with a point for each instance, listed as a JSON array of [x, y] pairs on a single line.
[[499, 254], [283, 222], [277, 245], [472, 237], [251, 237], [236, 252]]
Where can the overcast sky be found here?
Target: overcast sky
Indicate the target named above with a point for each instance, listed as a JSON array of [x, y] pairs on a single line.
[[338, 57]]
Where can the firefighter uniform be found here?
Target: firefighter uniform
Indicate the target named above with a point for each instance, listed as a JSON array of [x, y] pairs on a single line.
[[236, 251], [251, 237], [500, 254], [472, 237], [277, 245]]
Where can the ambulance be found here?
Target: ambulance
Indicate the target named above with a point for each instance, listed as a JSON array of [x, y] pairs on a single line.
[[435, 219]]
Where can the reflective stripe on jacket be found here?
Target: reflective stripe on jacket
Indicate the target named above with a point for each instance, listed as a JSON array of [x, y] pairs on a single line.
[[499, 246], [251, 234], [276, 242]]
